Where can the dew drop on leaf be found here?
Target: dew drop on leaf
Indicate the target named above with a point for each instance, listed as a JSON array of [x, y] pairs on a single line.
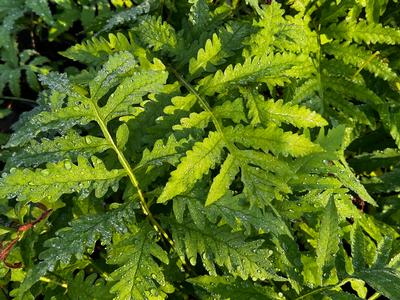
[[45, 172], [67, 165]]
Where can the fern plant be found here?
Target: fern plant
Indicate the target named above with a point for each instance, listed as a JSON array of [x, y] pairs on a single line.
[[219, 157]]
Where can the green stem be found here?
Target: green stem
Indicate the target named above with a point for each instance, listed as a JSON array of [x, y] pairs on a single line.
[[18, 99], [48, 280], [125, 164], [374, 296], [316, 291], [203, 103], [321, 87], [364, 64], [97, 268]]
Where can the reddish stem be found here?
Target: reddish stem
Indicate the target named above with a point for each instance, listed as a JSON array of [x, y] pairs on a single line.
[[6, 250]]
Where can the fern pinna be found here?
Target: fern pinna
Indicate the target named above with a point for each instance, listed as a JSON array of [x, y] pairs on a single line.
[[216, 157]]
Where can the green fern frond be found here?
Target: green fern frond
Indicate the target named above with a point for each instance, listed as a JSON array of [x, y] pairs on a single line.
[[254, 4], [96, 50], [351, 89], [194, 120], [363, 32], [332, 13], [82, 234], [275, 33], [391, 121], [306, 89], [129, 15], [383, 252], [261, 188], [271, 69], [130, 92], [199, 15], [225, 286], [82, 110], [360, 57], [235, 211], [222, 248], [385, 280], [271, 139], [69, 146], [265, 112], [155, 33], [10, 77], [118, 66], [181, 103], [197, 162], [64, 177], [72, 242], [162, 153], [41, 8], [239, 216], [221, 182], [228, 110], [220, 47], [209, 57], [328, 240], [374, 9], [89, 288], [233, 110], [139, 276], [59, 119]]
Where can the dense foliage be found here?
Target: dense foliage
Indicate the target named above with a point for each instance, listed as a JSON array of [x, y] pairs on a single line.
[[201, 149]]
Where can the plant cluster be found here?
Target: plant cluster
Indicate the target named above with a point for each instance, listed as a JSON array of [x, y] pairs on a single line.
[[207, 150]]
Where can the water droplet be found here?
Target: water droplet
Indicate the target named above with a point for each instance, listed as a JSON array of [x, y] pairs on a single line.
[[45, 172], [67, 165], [88, 140]]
